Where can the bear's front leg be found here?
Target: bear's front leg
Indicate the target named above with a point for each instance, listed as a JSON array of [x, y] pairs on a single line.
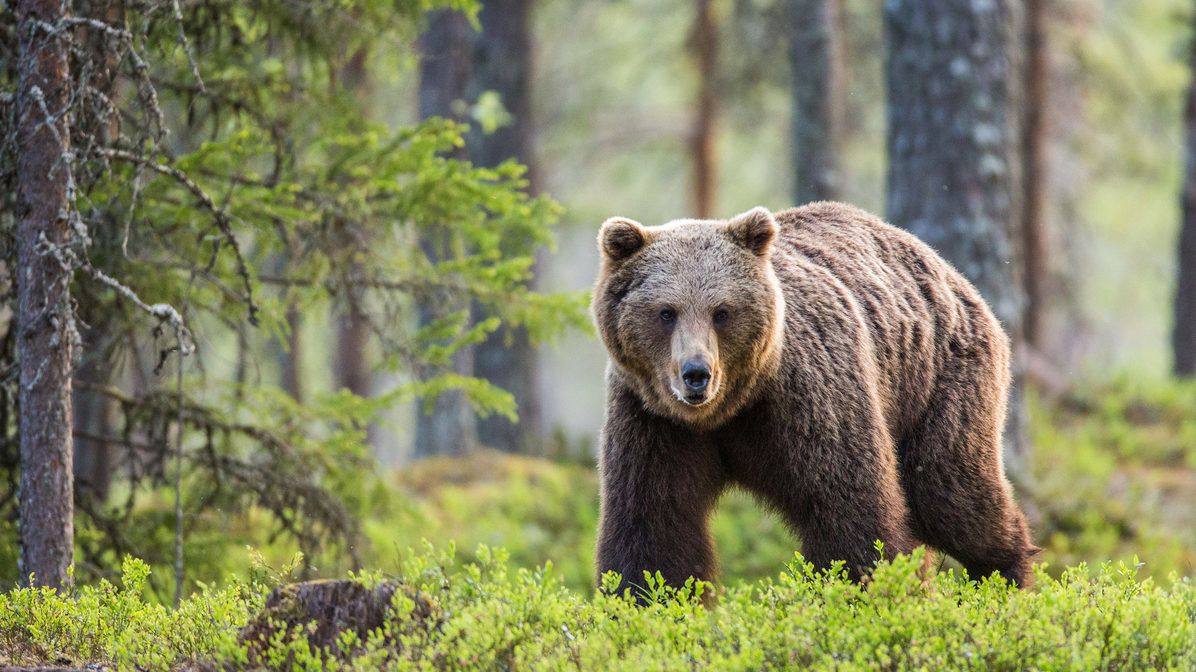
[[659, 485]]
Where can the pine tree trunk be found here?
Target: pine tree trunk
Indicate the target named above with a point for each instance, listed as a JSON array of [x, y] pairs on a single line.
[[701, 142], [816, 59], [93, 425], [449, 428], [502, 62], [1183, 339], [45, 316], [352, 373], [951, 142], [1034, 174], [352, 334], [292, 359]]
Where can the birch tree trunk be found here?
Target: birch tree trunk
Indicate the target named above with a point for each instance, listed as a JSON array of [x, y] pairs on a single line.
[[952, 142], [45, 317]]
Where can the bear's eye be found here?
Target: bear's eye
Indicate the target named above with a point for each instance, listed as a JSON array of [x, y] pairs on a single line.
[[668, 315], [721, 316]]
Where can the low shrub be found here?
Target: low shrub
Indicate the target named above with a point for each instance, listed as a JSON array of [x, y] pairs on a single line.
[[491, 616]]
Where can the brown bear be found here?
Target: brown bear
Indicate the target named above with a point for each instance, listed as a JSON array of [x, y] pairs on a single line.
[[831, 364]]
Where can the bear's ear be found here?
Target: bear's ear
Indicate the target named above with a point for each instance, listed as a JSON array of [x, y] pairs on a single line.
[[620, 238], [754, 229]]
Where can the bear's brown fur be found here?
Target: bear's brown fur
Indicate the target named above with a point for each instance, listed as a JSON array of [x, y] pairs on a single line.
[[857, 385]]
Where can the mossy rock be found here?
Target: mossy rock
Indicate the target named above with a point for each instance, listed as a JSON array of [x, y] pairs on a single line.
[[322, 610]]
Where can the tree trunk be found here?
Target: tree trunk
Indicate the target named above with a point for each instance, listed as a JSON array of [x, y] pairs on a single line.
[[352, 334], [449, 427], [445, 63], [93, 422], [502, 62], [816, 58], [352, 374], [292, 359], [45, 316], [951, 145], [1034, 174], [701, 143], [1183, 339]]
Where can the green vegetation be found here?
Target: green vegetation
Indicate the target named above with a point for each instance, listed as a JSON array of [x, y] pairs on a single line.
[[1116, 476], [485, 615], [244, 209], [1104, 462], [270, 180]]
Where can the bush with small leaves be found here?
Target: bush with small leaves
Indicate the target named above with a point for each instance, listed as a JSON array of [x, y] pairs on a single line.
[[489, 616]]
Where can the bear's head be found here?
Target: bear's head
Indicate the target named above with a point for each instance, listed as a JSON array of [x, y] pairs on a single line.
[[690, 311]]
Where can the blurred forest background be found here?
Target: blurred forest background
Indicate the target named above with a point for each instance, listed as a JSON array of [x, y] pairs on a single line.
[[312, 277]]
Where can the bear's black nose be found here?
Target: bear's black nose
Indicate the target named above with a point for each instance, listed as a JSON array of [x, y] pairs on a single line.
[[696, 375]]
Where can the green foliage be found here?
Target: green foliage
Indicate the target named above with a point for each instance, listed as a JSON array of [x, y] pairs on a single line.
[[229, 170], [106, 622], [1115, 475], [1124, 67], [491, 616], [535, 605]]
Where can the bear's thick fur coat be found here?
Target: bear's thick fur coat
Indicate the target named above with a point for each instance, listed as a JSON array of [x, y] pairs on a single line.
[[850, 378]]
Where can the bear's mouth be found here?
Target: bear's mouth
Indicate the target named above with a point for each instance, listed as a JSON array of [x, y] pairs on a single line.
[[694, 399]]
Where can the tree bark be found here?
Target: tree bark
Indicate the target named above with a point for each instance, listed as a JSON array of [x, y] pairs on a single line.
[[292, 359], [352, 334], [93, 420], [352, 337], [445, 64], [951, 143], [816, 58], [449, 428], [1034, 174], [701, 143], [45, 316], [1183, 338], [502, 62]]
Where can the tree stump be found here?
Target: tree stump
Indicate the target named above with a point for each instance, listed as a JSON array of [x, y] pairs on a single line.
[[322, 610]]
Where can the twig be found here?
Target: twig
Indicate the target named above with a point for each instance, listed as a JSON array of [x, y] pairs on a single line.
[[163, 311], [219, 214], [186, 45]]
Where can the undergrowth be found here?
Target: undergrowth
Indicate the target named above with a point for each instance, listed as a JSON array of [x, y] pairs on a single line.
[[491, 616], [1114, 486]]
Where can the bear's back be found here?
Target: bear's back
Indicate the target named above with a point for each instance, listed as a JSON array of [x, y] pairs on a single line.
[[919, 310]]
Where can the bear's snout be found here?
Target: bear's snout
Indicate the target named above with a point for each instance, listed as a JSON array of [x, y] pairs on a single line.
[[695, 373]]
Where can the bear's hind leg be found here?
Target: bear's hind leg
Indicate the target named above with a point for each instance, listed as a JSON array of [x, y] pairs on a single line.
[[839, 489], [959, 498]]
